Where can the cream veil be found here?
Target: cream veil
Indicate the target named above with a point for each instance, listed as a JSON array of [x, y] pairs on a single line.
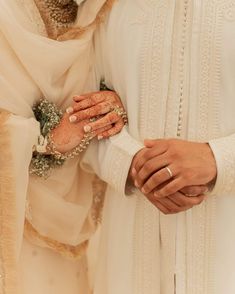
[[61, 211]]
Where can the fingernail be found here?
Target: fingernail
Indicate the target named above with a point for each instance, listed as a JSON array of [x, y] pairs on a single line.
[[100, 137], [206, 190], [87, 129], [72, 118], [143, 191], [134, 172], [77, 97], [69, 110], [136, 184]]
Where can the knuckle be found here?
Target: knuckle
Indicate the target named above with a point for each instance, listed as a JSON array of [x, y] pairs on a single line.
[[155, 179], [140, 177], [172, 154], [168, 190], [147, 166], [147, 187]]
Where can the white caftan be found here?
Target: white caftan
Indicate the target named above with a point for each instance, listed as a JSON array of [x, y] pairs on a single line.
[[173, 64], [60, 211]]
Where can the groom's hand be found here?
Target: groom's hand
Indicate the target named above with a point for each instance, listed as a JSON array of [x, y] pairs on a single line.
[[182, 200], [167, 166], [175, 203]]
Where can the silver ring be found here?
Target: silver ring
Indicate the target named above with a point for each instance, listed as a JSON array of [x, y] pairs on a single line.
[[169, 172]]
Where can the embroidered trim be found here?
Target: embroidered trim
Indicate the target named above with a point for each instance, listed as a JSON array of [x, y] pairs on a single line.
[[151, 71], [76, 32], [73, 252], [203, 238], [52, 28], [146, 247], [8, 268], [99, 189], [182, 64]]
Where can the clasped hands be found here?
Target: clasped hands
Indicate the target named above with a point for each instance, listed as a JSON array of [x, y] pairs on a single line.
[[174, 174], [92, 113]]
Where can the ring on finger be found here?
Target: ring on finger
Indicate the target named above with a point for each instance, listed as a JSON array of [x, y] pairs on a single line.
[[169, 172]]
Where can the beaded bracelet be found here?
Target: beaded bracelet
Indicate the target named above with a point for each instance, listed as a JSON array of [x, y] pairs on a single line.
[[45, 156]]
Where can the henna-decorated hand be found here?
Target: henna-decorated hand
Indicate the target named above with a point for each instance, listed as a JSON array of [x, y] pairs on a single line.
[[99, 105], [67, 136]]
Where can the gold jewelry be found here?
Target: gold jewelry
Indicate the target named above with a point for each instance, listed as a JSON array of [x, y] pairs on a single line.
[[122, 113], [85, 142], [169, 172], [95, 118]]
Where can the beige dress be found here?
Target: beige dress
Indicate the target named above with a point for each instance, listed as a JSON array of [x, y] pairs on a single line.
[[45, 225]]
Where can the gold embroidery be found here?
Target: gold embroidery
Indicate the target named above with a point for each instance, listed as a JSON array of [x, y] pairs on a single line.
[[8, 272], [74, 252], [63, 33], [77, 32], [99, 189]]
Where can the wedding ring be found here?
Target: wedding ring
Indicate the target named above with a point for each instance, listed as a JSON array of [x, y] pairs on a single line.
[[169, 172]]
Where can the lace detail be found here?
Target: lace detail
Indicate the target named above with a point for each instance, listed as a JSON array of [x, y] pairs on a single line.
[[203, 237], [152, 61], [229, 13], [147, 247]]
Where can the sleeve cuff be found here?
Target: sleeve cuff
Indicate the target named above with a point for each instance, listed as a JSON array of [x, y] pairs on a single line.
[[224, 153], [117, 161]]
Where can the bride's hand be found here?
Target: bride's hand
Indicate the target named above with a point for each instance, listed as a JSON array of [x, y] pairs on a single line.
[[67, 136], [104, 105]]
